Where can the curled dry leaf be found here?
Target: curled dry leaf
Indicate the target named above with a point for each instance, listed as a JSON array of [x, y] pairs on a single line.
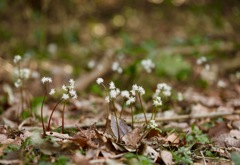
[[231, 139], [132, 138], [123, 127], [167, 157]]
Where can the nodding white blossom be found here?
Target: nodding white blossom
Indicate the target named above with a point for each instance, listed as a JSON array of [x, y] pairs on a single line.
[[18, 83], [116, 67], [16, 59], [91, 64], [152, 124], [114, 93], [65, 96], [46, 79], [148, 65], [125, 94], [221, 84], [52, 92], [164, 89], [130, 100], [99, 80], [180, 96], [157, 101], [201, 60], [137, 89], [112, 85]]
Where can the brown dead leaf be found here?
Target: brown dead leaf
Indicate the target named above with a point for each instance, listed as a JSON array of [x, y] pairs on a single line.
[[167, 157], [173, 138], [219, 129], [78, 158], [231, 139], [132, 138], [123, 127], [150, 152]]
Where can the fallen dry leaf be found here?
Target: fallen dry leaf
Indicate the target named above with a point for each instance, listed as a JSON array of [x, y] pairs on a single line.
[[132, 138], [123, 127], [166, 157]]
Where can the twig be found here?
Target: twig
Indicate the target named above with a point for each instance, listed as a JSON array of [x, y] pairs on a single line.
[[204, 161], [164, 119]]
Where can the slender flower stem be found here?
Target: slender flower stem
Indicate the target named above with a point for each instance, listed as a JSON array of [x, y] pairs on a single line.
[[132, 116], [43, 127], [63, 117], [21, 87], [50, 118], [107, 121], [143, 108], [115, 113]]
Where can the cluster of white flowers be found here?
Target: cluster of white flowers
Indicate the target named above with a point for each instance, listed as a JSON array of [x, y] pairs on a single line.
[[148, 65], [157, 101], [116, 67], [152, 124], [52, 48], [114, 92], [69, 89], [137, 89], [201, 60], [46, 79], [164, 89], [17, 59]]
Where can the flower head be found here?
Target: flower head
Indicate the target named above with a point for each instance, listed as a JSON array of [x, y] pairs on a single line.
[[125, 94], [46, 79], [99, 80], [52, 92], [148, 65], [16, 59], [157, 102], [152, 124], [130, 100], [65, 96], [112, 85], [201, 60]]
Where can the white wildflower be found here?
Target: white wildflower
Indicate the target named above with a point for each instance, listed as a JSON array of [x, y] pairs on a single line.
[[135, 87], [65, 96], [141, 90], [116, 67], [91, 64], [71, 83], [152, 124], [24, 73], [18, 83], [99, 80], [113, 93], [112, 85], [164, 88], [180, 96], [52, 92], [201, 60], [207, 67], [125, 94], [52, 48], [157, 102], [16, 59], [148, 65], [64, 87], [73, 94], [130, 100], [107, 99], [221, 84], [46, 79]]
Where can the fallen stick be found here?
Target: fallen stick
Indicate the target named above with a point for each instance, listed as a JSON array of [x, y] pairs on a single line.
[[164, 119]]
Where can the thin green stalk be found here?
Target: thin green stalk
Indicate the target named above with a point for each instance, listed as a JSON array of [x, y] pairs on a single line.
[[43, 127], [63, 117], [143, 109], [50, 118]]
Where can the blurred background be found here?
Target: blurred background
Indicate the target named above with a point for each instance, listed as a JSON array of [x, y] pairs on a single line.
[[86, 39]]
